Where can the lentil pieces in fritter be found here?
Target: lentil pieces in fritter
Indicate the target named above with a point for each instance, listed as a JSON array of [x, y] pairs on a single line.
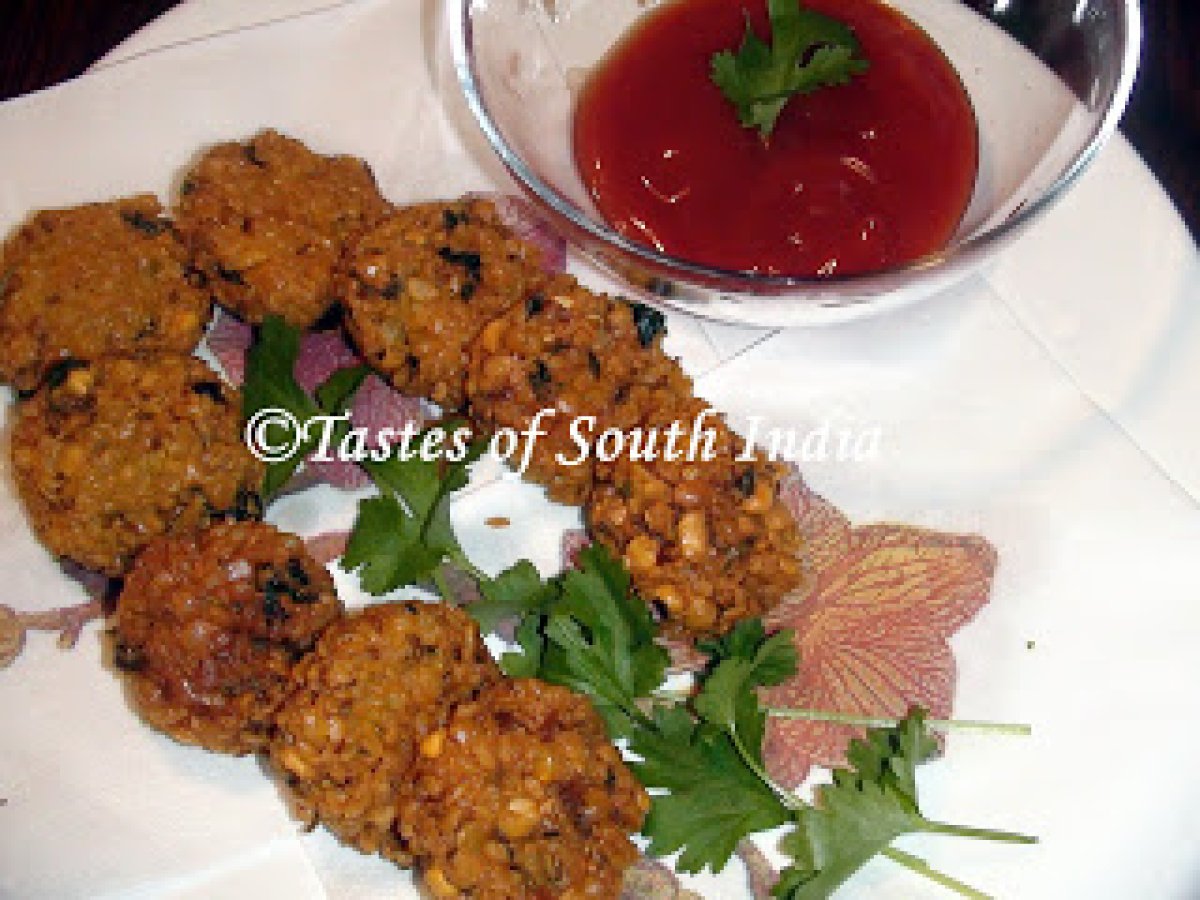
[[522, 794], [577, 353], [208, 627], [268, 220], [93, 280], [421, 286], [379, 682], [123, 450]]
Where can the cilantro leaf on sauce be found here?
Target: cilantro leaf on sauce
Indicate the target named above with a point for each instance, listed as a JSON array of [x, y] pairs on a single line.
[[808, 51]]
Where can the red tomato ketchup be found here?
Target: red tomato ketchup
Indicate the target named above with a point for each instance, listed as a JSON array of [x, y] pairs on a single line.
[[854, 178]]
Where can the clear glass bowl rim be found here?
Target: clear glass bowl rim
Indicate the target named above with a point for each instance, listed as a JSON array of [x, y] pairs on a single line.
[[462, 38]]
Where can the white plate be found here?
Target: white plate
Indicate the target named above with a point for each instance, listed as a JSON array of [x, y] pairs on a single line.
[[1049, 406]]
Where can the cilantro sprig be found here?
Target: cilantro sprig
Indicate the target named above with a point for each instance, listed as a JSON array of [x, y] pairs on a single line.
[[592, 634], [709, 746], [271, 384], [808, 51], [868, 805], [714, 749], [404, 535]]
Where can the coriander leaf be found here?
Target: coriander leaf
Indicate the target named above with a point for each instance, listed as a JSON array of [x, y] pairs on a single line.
[[527, 662], [595, 559], [600, 641], [270, 380], [335, 394], [594, 636], [426, 486], [774, 658], [714, 799], [401, 537], [385, 547], [791, 879], [719, 756], [271, 384], [279, 473], [866, 807], [728, 698], [808, 51], [439, 531], [415, 480], [513, 593], [574, 661], [741, 641]]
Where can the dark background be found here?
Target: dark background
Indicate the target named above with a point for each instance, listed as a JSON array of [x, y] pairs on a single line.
[[43, 42]]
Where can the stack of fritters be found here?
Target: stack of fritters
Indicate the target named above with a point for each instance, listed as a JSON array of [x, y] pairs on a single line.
[[446, 302]]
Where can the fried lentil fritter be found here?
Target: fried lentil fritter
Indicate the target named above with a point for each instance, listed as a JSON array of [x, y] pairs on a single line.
[[92, 280], [419, 288], [446, 302], [111, 454], [707, 543], [267, 221], [521, 795], [208, 627], [378, 683], [577, 353]]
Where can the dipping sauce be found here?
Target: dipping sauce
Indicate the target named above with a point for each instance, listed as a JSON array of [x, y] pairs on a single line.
[[854, 178]]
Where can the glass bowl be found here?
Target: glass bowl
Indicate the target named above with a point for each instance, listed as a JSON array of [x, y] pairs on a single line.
[[1049, 81]]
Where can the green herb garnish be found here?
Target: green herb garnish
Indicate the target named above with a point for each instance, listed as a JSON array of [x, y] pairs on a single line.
[[402, 536], [593, 635], [869, 804], [704, 755], [808, 51], [271, 384], [714, 750]]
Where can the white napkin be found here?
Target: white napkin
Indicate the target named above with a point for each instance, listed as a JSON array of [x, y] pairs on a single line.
[[982, 428]]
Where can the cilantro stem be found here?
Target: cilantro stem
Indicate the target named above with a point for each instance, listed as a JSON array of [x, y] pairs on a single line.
[[918, 865], [443, 586], [816, 715], [787, 798], [460, 559], [981, 834], [977, 726]]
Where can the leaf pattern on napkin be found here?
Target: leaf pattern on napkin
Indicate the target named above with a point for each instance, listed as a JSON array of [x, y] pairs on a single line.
[[872, 627]]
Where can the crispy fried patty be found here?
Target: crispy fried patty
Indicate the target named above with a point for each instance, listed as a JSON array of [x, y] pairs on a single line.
[[267, 221], [577, 354], [208, 627], [111, 454], [444, 300], [522, 795], [419, 288], [707, 541], [92, 280], [378, 683]]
